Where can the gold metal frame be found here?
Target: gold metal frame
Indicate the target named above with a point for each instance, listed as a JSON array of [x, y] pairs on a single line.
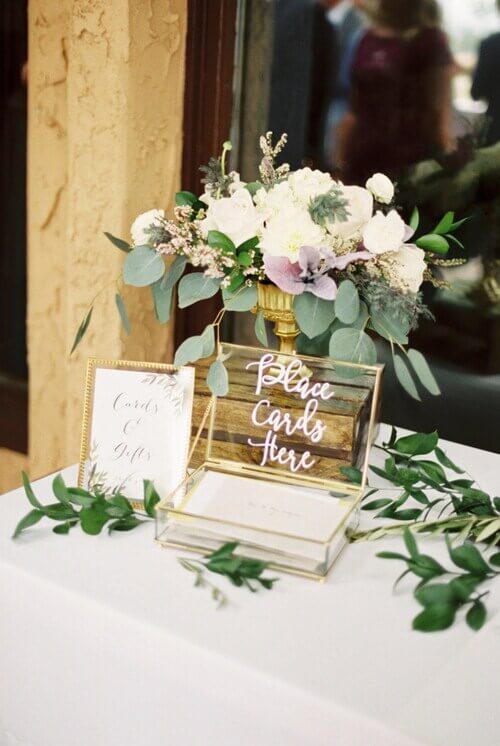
[[92, 365], [268, 473]]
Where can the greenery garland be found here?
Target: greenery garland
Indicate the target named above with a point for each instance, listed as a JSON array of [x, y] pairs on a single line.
[[428, 501]]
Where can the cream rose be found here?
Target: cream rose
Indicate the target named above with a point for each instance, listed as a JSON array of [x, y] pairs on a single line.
[[288, 230], [269, 203], [384, 233], [359, 208], [235, 216], [409, 264], [381, 187], [145, 220], [306, 184]]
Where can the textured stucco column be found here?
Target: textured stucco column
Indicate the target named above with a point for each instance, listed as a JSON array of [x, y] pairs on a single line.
[[105, 140]]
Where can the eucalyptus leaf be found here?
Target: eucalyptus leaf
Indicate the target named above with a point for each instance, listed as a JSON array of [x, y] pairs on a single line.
[[189, 351], [260, 329], [423, 372], [404, 377], [208, 340], [390, 327], [143, 266], [122, 310], [217, 378], [82, 330], [118, 242], [194, 287], [314, 315], [347, 302], [173, 273], [162, 299], [352, 345], [244, 299]]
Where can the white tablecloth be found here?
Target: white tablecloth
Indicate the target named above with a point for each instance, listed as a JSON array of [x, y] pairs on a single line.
[[104, 641]]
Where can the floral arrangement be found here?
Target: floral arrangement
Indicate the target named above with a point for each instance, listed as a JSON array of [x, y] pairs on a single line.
[[352, 263]]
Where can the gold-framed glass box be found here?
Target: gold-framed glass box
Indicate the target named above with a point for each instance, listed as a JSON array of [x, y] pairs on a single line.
[[277, 445]]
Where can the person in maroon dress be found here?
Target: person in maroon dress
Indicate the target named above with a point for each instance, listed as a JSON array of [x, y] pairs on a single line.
[[401, 94]]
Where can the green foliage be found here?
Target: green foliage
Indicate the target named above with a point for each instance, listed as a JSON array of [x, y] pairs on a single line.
[[220, 241], [118, 242], [433, 242], [347, 302], [91, 510], [260, 329], [314, 315], [122, 310], [82, 329], [390, 327], [143, 266], [442, 601], [329, 207], [194, 287], [353, 346], [423, 490], [240, 571], [244, 299], [217, 378]]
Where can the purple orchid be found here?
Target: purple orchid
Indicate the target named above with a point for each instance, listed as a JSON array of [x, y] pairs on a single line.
[[310, 273]]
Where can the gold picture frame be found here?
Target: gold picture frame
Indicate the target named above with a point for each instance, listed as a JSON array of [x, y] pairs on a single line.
[[94, 365]]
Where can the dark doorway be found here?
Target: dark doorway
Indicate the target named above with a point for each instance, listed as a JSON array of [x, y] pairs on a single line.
[[13, 121]]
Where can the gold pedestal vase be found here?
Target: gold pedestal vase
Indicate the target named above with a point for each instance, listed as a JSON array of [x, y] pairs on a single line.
[[277, 306]]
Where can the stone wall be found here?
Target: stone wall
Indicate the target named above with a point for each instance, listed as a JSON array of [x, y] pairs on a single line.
[[106, 82]]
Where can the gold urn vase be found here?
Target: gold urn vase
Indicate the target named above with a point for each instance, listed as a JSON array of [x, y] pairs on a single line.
[[277, 306]]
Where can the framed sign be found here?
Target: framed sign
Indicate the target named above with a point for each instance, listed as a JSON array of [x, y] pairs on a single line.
[[136, 426], [300, 420]]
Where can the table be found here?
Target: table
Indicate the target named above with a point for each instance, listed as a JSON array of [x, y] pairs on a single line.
[[104, 641]]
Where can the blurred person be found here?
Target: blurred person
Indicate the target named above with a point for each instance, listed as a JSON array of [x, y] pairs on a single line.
[[485, 84], [401, 92], [337, 28]]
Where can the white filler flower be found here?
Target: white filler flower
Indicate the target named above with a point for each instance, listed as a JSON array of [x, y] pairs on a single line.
[[381, 187], [144, 221], [384, 233], [235, 216]]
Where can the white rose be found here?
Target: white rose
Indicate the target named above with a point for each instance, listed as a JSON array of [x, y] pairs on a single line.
[[409, 264], [234, 216], [381, 187], [384, 233], [360, 211], [277, 199], [288, 230], [306, 184], [145, 220]]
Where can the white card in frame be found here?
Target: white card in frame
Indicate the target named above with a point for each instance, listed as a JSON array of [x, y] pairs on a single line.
[[136, 426]]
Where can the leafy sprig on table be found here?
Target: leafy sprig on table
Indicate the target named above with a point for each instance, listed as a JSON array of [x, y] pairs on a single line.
[[91, 510], [240, 571], [462, 511], [94, 510]]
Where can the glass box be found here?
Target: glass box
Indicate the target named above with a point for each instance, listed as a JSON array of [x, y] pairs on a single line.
[[277, 445]]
